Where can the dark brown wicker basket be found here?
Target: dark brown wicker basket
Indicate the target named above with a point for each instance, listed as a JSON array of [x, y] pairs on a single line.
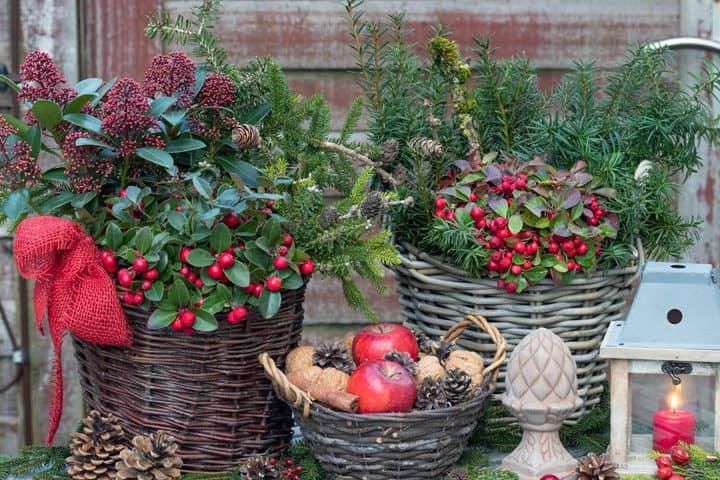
[[419, 445], [207, 390]]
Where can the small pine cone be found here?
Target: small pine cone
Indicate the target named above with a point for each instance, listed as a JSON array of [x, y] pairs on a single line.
[[328, 217], [404, 359], [426, 146], [457, 386], [96, 448], [400, 174], [372, 205], [258, 468], [457, 474], [431, 395], [444, 350], [390, 149], [334, 355], [425, 345], [596, 467], [151, 458], [246, 136]]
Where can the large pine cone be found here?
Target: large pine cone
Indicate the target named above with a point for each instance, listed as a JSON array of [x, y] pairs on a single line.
[[152, 458], [596, 467], [258, 468], [96, 448], [334, 355], [246, 136], [457, 385]]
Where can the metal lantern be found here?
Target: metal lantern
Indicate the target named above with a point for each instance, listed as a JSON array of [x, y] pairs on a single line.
[[665, 365]]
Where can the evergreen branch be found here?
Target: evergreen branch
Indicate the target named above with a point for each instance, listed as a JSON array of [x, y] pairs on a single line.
[[365, 160]]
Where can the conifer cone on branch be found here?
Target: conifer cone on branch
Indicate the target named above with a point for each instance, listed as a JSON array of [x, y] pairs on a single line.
[[246, 136], [96, 448]]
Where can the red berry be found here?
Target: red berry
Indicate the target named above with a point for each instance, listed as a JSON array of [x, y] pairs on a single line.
[[473, 197], [232, 220], [307, 267], [482, 223], [516, 269], [239, 313], [663, 461], [520, 247], [532, 249], [199, 283], [140, 265], [527, 265], [440, 213], [184, 271], [503, 233], [139, 298], [231, 318], [152, 274], [501, 222], [280, 263], [287, 240], [450, 215], [176, 324], [476, 213], [191, 277], [554, 247], [501, 283], [440, 203], [146, 285], [593, 221], [504, 264], [274, 283], [179, 208], [680, 455], [128, 298], [258, 289], [568, 245], [110, 263], [496, 256], [122, 193], [570, 265], [549, 477], [675, 476], [226, 260], [124, 277], [215, 271], [184, 252], [582, 249], [188, 331], [187, 318], [511, 287], [664, 473]]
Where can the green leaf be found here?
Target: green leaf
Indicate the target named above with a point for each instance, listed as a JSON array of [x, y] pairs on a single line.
[[184, 145], [79, 102], [515, 224], [10, 83], [256, 256], [224, 292], [160, 240], [103, 90], [560, 266], [157, 156], [55, 175], [175, 117], [177, 220], [202, 186], [85, 121], [155, 293], [272, 231], [522, 284], [204, 321], [91, 142], [143, 239], [200, 75], [269, 303], [227, 198], [238, 274], [161, 319], [247, 172], [34, 138], [548, 260], [178, 294], [113, 236], [160, 105], [499, 205], [536, 274], [213, 304], [134, 194], [293, 281], [83, 199], [200, 258], [88, 85], [17, 204], [255, 115], [220, 238], [48, 113], [54, 202], [263, 244]]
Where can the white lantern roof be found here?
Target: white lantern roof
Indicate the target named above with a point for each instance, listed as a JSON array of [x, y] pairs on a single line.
[[675, 316]]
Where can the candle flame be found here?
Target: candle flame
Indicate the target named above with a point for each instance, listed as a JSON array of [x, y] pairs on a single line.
[[675, 399]]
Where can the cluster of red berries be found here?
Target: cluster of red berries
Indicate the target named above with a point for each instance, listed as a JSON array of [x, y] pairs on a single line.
[[598, 213], [511, 183], [678, 456], [126, 276], [288, 471], [184, 322]]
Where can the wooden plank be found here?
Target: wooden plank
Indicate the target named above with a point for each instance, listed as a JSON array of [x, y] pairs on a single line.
[[314, 34], [619, 408], [114, 40]]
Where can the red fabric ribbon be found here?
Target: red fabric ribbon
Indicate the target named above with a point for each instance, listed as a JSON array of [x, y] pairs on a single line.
[[72, 287]]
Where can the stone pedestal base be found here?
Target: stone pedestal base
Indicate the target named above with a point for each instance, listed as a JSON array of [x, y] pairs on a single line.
[[540, 453]]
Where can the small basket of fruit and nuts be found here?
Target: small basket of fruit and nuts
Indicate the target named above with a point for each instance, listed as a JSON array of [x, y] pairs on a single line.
[[387, 402]]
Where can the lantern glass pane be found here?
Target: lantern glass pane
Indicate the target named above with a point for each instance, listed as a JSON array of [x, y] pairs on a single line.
[[662, 414]]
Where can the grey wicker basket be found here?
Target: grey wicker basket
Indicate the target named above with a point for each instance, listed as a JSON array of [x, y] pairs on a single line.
[[435, 295]]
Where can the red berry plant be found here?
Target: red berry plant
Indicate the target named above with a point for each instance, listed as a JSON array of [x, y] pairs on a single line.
[[686, 462], [202, 184], [521, 221]]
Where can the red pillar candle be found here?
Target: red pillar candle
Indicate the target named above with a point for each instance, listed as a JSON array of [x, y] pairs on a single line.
[[672, 426]]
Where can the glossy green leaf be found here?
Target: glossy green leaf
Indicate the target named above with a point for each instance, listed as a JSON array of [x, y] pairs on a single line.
[[160, 105], [103, 90], [255, 115], [155, 293], [48, 113], [178, 294], [205, 321], [184, 145], [247, 172], [515, 224], [18, 124], [202, 186], [177, 220], [239, 274], [156, 156], [200, 258], [113, 236], [10, 83], [143, 239], [220, 238], [175, 117], [91, 142], [79, 102], [17, 204], [85, 121], [269, 303], [50, 204], [88, 85], [161, 319]]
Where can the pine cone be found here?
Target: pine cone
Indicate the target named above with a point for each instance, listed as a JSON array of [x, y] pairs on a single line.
[[457, 474], [328, 217], [425, 345], [151, 458], [334, 355], [390, 149], [372, 205], [431, 395], [400, 174], [426, 146], [95, 449], [258, 468], [246, 136], [596, 467], [443, 351], [404, 359], [457, 385]]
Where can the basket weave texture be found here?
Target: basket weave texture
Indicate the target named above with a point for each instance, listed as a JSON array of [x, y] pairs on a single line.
[[419, 445], [435, 295], [206, 390]]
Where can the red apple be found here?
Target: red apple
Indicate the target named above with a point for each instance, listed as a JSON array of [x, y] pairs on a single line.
[[374, 341], [382, 386]]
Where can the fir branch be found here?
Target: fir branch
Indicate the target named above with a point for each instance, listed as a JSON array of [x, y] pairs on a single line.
[[361, 158]]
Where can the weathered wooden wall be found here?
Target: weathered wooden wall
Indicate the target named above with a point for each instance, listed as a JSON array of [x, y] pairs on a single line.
[[309, 38]]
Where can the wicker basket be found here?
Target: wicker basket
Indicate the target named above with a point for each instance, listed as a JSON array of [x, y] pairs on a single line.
[[434, 295], [419, 445], [208, 390]]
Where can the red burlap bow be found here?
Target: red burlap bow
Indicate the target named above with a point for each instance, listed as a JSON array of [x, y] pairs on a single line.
[[72, 286]]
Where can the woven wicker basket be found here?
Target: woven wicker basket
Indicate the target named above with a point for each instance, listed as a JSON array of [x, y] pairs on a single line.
[[420, 445], [435, 295], [207, 390]]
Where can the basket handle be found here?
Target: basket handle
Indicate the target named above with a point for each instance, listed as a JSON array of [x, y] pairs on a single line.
[[482, 323], [282, 386]]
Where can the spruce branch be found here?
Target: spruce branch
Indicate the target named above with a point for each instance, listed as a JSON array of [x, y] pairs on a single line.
[[365, 160]]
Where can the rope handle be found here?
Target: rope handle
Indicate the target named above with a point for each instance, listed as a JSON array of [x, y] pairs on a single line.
[[300, 399]]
